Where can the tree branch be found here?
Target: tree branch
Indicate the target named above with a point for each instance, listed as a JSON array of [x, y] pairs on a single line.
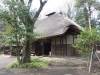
[[40, 2], [39, 10]]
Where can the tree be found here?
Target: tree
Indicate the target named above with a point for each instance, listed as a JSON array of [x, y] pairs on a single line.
[[87, 40], [19, 16], [85, 12], [2, 29], [87, 43]]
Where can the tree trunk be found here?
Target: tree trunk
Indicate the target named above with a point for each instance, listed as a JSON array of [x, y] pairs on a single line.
[[89, 17], [27, 53]]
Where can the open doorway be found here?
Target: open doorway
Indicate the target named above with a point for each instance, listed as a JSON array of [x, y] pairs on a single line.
[[38, 50], [47, 48]]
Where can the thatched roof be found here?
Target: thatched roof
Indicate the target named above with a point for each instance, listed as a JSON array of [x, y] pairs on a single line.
[[54, 25]]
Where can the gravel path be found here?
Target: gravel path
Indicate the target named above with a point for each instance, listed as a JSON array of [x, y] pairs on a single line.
[[66, 66], [5, 60]]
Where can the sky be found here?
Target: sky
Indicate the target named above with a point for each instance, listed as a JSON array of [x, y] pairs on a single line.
[[51, 6]]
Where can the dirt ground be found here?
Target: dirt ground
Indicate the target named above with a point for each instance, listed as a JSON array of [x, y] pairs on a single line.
[[59, 66]]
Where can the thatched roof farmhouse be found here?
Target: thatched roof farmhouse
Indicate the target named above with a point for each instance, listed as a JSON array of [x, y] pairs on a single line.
[[56, 35]]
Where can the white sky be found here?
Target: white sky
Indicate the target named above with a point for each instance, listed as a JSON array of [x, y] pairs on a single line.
[[51, 5]]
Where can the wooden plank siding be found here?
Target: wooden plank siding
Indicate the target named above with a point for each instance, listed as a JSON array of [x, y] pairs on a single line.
[[62, 48], [58, 52]]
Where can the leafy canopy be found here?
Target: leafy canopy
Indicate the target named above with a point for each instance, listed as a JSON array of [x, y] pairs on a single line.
[[86, 40], [18, 17], [83, 7]]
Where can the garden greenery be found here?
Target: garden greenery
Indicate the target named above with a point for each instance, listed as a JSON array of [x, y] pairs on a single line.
[[19, 21], [35, 63], [87, 40]]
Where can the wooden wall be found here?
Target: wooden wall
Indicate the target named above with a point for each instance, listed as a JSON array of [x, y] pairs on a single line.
[[62, 46]]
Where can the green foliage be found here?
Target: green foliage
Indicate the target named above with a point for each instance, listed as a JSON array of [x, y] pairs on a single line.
[[80, 3], [35, 63], [20, 25], [19, 19], [86, 40], [8, 35], [13, 65], [82, 17], [82, 9], [2, 29]]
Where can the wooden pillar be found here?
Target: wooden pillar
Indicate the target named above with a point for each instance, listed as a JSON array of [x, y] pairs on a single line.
[[51, 47], [73, 38], [43, 47], [72, 47], [52, 52], [60, 47], [66, 44], [55, 47]]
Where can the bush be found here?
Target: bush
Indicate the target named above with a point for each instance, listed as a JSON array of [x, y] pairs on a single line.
[[13, 65], [35, 63], [87, 41]]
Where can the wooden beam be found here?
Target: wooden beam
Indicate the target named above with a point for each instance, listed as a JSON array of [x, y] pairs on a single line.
[[66, 44], [43, 47], [55, 46], [73, 38], [73, 52], [60, 46]]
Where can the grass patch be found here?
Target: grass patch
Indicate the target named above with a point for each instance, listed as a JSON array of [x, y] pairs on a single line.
[[35, 63]]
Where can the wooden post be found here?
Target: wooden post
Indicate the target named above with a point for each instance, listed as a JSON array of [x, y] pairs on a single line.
[[55, 47], [73, 52], [66, 45], [97, 55], [51, 47], [92, 53], [90, 63], [91, 59], [43, 47], [60, 46], [73, 38]]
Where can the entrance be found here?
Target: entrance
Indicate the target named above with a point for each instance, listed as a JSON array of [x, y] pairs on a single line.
[[38, 50], [47, 48]]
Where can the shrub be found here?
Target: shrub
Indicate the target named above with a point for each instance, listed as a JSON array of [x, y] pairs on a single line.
[[35, 63], [13, 65], [87, 41]]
